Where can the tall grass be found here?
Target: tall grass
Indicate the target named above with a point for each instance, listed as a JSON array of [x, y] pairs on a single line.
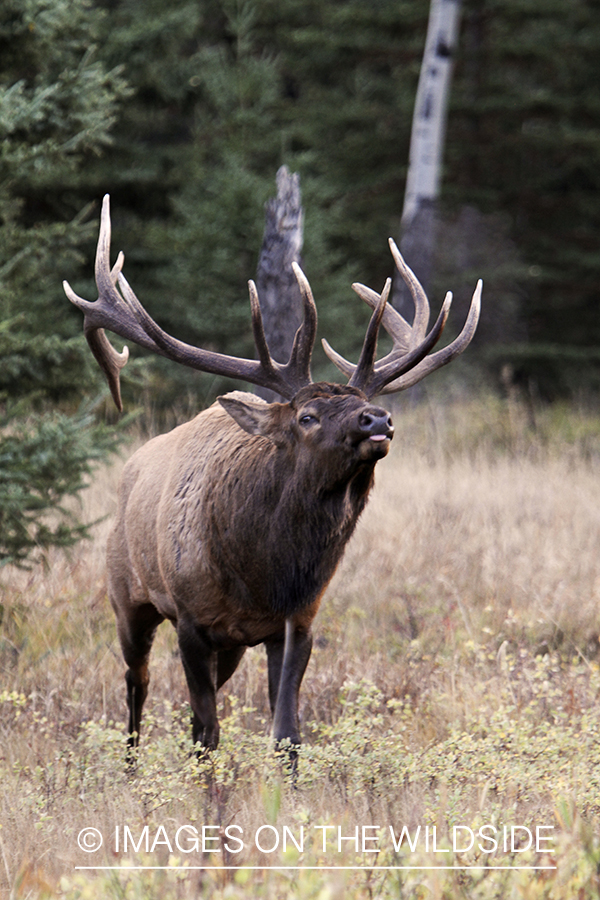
[[454, 682]]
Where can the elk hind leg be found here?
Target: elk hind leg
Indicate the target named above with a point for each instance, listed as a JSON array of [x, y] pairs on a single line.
[[274, 649], [227, 663], [136, 633]]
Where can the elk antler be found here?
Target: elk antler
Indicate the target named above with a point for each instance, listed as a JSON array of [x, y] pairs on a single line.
[[122, 313], [405, 365], [407, 362]]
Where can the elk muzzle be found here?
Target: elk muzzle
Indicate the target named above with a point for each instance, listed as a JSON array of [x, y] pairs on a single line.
[[374, 432]]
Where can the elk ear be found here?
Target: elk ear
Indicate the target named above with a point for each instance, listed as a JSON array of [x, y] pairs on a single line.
[[255, 417]]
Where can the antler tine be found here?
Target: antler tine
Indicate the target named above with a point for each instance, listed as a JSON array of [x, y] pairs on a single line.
[[395, 324], [347, 368], [251, 370], [108, 308], [366, 363], [446, 354], [404, 336], [379, 375], [397, 327], [110, 360], [388, 371], [298, 366], [407, 362], [123, 313], [283, 379], [258, 331], [422, 312]]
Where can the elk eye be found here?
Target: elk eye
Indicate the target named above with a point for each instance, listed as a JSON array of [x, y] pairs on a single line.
[[308, 419]]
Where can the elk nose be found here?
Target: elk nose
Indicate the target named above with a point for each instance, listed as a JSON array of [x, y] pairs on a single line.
[[376, 421]]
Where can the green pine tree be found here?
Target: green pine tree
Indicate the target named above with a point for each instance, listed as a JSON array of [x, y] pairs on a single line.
[[524, 142], [57, 104]]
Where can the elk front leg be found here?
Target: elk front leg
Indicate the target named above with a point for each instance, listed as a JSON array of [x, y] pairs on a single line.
[[287, 661], [200, 666]]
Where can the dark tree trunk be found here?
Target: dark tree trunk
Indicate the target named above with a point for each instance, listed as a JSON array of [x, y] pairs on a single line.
[[417, 245], [278, 292]]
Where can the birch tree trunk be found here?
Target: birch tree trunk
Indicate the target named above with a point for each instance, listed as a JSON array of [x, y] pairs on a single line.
[[418, 224], [278, 291]]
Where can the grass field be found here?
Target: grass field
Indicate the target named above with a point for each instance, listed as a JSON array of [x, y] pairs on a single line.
[[453, 691]]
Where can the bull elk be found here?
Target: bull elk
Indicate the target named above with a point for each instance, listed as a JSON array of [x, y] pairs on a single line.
[[232, 525]]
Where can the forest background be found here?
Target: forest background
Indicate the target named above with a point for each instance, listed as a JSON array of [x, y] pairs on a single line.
[[184, 112]]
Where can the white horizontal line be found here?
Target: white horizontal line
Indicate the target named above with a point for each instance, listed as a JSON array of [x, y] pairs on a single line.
[[304, 868]]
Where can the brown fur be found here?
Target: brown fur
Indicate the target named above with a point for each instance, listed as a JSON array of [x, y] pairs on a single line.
[[231, 526]]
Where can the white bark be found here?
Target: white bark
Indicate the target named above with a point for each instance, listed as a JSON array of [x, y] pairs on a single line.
[[429, 119], [278, 291]]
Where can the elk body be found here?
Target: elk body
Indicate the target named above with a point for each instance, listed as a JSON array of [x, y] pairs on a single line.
[[232, 525]]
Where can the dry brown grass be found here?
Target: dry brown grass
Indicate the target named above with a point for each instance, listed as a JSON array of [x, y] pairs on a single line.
[[478, 551]]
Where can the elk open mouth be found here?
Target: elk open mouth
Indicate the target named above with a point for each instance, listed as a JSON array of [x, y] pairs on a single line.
[[375, 446], [377, 438]]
